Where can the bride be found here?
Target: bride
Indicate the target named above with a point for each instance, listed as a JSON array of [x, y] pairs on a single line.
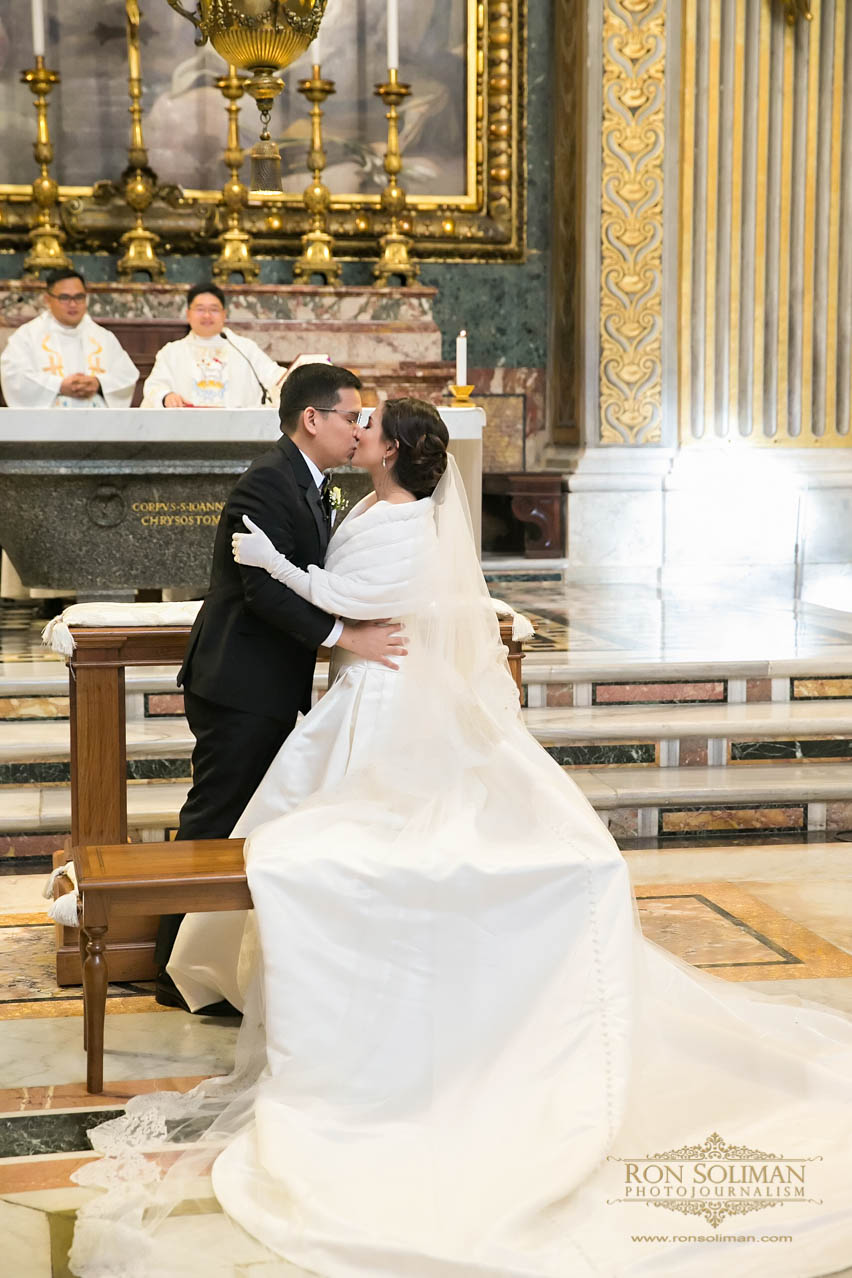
[[459, 1057]]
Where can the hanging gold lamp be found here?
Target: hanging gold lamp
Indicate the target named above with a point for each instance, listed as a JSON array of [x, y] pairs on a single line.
[[261, 37]]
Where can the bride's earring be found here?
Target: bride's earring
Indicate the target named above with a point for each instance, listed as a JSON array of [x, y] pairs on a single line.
[[384, 463]]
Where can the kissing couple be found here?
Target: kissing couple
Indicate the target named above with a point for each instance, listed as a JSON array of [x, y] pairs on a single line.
[[455, 1038]]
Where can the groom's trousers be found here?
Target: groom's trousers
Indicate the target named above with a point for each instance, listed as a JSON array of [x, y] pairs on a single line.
[[233, 750]]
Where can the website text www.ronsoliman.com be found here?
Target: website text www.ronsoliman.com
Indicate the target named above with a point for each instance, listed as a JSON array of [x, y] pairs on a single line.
[[711, 1238]]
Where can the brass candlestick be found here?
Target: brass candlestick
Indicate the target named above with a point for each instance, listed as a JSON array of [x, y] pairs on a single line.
[[462, 396], [394, 258], [46, 238], [140, 182], [235, 257], [317, 245]]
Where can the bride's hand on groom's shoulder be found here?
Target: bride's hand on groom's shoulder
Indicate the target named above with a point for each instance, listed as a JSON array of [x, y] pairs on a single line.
[[253, 549], [381, 641]]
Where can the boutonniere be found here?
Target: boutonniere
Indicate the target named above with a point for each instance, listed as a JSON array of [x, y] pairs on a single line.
[[336, 499]]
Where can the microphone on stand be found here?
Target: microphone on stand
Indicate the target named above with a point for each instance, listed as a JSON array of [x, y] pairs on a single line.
[[266, 397]]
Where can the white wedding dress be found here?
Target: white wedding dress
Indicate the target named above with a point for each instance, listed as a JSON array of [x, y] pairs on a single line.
[[462, 1050]]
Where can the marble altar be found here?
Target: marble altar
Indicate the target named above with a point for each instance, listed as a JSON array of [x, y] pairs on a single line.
[[111, 501]]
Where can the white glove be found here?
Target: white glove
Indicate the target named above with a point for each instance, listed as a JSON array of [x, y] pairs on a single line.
[[254, 550]]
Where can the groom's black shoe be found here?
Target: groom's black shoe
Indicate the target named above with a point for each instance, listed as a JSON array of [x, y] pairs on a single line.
[[167, 994]]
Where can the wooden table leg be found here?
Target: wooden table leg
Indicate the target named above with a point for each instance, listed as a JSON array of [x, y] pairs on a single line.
[[94, 1000], [83, 941], [514, 655]]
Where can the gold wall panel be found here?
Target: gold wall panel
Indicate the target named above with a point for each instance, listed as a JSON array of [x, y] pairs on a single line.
[[765, 278], [487, 222], [565, 401], [631, 297]]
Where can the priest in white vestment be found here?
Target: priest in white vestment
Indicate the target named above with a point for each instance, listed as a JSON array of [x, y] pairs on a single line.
[[62, 358], [211, 367]]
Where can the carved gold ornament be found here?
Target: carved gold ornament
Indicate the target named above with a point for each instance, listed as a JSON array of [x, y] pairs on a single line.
[[797, 9], [634, 46], [256, 35]]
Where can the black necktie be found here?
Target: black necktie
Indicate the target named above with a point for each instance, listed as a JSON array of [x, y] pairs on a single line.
[[325, 498]]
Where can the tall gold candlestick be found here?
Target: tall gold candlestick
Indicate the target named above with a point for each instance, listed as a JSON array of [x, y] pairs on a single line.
[[46, 238], [235, 257], [140, 182], [317, 245], [394, 258]]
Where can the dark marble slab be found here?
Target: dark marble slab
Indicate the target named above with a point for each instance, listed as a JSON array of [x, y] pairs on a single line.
[[814, 748], [38, 863], [521, 576], [60, 773], [585, 756], [24, 1135]]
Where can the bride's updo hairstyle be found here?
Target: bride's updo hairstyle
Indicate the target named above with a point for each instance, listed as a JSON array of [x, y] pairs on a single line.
[[422, 437]]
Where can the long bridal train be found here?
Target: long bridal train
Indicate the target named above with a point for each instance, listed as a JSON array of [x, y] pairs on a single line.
[[454, 1028]]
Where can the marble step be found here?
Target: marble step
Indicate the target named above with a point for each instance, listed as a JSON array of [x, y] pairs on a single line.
[[151, 805], [559, 725], [35, 690], [777, 783], [823, 863], [155, 804], [49, 677], [48, 740], [548, 666]]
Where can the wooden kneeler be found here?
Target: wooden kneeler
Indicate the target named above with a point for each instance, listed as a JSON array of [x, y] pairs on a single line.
[[125, 886], [124, 880], [98, 773]]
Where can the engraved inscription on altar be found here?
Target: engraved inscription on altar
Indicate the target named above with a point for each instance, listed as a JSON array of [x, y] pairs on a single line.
[[178, 514]]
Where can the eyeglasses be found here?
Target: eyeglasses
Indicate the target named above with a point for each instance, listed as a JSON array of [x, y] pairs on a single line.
[[207, 310], [355, 418], [68, 298]]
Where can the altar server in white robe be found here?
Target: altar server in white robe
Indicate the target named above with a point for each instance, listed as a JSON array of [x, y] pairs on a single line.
[[62, 358], [211, 367]]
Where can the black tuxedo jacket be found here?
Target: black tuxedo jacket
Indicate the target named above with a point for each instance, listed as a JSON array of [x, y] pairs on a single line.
[[253, 645]]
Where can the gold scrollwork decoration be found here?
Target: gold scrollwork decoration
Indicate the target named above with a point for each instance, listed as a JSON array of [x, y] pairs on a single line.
[[634, 47], [486, 223]]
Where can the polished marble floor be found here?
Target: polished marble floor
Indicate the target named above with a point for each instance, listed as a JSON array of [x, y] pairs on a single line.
[[697, 623], [639, 620]]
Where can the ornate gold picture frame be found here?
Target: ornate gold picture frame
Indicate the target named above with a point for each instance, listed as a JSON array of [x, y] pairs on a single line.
[[486, 222]]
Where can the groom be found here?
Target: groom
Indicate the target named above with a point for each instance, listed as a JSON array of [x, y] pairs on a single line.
[[249, 664]]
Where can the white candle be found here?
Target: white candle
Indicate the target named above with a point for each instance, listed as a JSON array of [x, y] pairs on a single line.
[[316, 51], [37, 9], [393, 33], [461, 359]]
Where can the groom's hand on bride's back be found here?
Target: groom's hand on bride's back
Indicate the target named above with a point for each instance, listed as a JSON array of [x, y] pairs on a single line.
[[381, 641]]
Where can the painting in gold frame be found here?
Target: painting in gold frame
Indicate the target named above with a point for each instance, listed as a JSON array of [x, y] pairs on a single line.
[[475, 211]]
